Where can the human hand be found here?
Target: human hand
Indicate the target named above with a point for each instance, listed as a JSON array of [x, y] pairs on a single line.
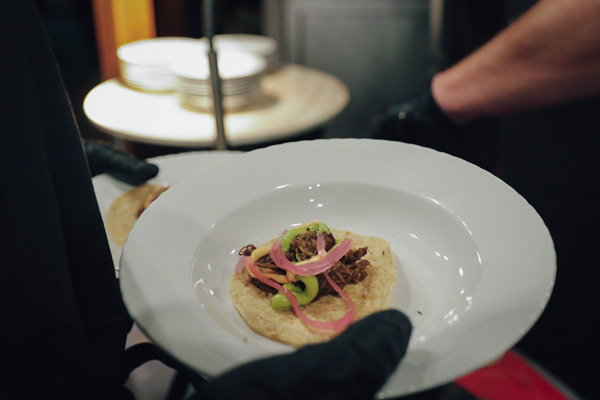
[[353, 366], [105, 158]]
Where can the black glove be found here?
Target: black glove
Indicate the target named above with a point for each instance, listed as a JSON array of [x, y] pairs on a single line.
[[105, 158], [419, 121], [353, 366]]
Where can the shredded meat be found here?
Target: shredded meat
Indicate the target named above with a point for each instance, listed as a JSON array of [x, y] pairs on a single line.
[[351, 268], [304, 246], [267, 266]]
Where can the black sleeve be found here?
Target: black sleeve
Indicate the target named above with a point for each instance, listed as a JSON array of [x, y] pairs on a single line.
[[64, 322]]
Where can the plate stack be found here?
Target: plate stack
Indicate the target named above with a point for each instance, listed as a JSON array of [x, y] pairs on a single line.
[[263, 46], [240, 73], [146, 64]]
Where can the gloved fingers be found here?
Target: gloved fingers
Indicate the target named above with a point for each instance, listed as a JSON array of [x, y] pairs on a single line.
[[401, 120], [133, 172], [424, 111], [383, 123], [105, 158], [352, 366]]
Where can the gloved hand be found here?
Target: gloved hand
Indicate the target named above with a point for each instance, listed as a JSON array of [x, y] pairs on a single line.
[[105, 158], [419, 121], [353, 366]]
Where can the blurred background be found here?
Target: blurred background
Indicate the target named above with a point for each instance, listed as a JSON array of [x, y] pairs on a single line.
[[384, 51], [380, 49], [72, 31]]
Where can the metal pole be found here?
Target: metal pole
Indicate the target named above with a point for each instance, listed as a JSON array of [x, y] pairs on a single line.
[[221, 141]]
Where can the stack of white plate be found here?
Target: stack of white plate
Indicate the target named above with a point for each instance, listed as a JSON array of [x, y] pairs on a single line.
[[263, 46], [146, 64], [240, 73]]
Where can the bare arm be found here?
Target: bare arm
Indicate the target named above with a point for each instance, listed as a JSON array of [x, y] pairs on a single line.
[[548, 56]]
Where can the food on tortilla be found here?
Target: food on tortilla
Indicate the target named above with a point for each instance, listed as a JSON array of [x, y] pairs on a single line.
[[127, 208], [273, 287]]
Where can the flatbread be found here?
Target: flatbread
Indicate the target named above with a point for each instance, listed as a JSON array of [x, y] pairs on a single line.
[[369, 295], [125, 211]]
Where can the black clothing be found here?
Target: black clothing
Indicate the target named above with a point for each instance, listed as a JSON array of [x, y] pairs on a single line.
[[64, 323]]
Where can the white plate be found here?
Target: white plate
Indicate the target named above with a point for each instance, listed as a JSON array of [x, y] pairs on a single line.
[[172, 168], [165, 86], [262, 45], [476, 264], [235, 101], [157, 52], [207, 91], [233, 64]]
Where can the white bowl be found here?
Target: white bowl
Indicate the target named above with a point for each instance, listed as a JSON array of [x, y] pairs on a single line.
[[476, 264]]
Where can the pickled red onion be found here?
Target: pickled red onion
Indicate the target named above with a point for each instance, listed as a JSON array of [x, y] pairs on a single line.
[[335, 326], [239, 266], [313, 268], [320, 243], [343, 322], [249, 263]]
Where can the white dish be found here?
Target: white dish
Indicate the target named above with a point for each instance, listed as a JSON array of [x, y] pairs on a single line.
[[157, 53], [476, 264], [226, 89], [235, 97], [172, 168], [149, 85], [145, 64], [264, 46], [233, 64], [228, 102], [229, 82]]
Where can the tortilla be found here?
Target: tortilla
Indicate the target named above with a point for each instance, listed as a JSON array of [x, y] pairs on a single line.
[[125, 211], [369, 295]]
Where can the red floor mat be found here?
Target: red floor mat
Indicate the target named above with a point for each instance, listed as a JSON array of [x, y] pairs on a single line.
[[512, 377]]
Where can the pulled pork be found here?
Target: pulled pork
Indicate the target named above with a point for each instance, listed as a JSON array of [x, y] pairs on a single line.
[[351, 268]]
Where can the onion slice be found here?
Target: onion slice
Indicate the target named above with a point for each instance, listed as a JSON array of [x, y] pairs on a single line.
[[334, 326], [343, 322], [239, 266], [320, 244], [312, 268]]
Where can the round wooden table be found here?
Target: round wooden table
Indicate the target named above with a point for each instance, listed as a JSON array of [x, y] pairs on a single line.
[[295, 100]]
